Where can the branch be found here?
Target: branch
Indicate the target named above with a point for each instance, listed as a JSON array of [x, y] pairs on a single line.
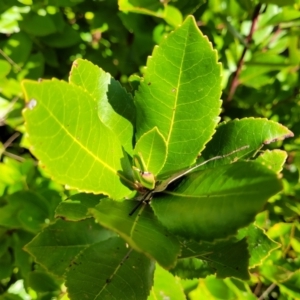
[[235, 79]]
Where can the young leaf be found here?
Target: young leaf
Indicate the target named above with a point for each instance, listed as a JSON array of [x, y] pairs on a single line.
[[153, 148], [166, 286], [274, 159], [66, 135], [142, 230], [58, 244], [215, 203], [76, 207], [109, 270], [237, 133], [180, 94], [115, 106]]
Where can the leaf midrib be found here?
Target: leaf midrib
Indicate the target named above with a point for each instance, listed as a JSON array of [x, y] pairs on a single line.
[[115, 172]]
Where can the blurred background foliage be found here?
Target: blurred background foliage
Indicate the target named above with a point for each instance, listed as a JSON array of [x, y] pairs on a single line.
[[258, 44]]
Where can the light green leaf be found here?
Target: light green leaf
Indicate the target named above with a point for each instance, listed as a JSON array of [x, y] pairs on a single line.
[[215, 203], [235, 134], [109, 270], [166, 286], [115, 106], [58, 244], [180, 94], [153, 148], [274, 159], [159, 9], [76, 207], [141, 230], [5, 68], [74, 146], [259, 244]]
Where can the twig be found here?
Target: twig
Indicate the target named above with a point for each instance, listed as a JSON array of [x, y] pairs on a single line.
[[235, 79], [10, 60], [267, 291], [11, 139]]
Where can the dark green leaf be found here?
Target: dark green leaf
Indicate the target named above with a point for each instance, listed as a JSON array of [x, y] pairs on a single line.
[[215, 203], [76, 207], [58, 244], [141, 230], [109, 270]]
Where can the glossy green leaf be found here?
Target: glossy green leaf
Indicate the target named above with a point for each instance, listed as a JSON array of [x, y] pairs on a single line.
[[109, 270], [274, 159], [166, 286], [214, 203], [74, 146], [58, 244], [180, 94], [259, 244], [77, 207], [115, 106], [235, 134], [141, 230], [153, 148]]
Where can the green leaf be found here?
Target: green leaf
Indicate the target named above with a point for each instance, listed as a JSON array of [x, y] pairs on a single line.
[[235, 134], [67, 38], [109, 270], [274, 159], [141, 230], [115, 106], [5, 68], [154, 8], [153, 148], [66, 135], [226, 258], [215, 203], [37, 25], [189, 268], [58, 244], [24, 209], [180, 94], [260, 245], [76, 207], [166, 286]]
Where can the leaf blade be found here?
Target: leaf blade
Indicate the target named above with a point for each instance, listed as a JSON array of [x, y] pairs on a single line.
[[214, 203], [142, 230], [65, 138], [175, 87]]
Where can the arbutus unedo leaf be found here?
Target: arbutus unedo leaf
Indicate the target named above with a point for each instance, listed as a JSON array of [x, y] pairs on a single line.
[[68, 138], [110, 270], [215, 203], [180, 95], [142, 231]]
